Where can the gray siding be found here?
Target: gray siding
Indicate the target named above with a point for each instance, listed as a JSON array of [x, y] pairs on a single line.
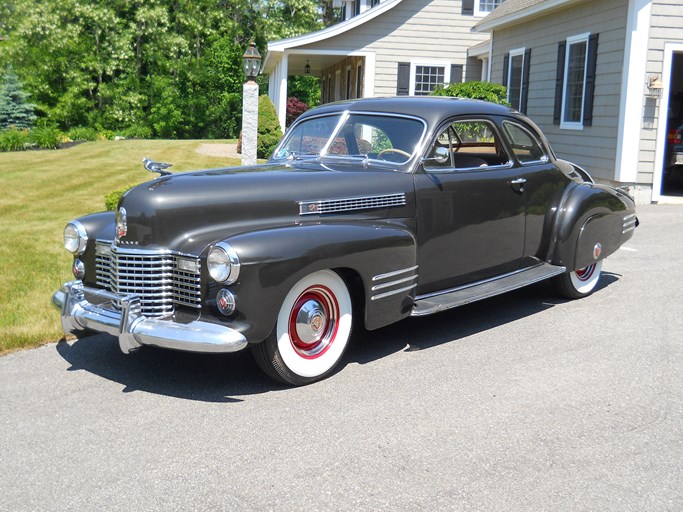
[[595, 146], [414, 29]]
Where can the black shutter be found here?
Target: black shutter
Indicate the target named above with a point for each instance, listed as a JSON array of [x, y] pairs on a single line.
[[559, 81], [403, 79], [506, 67], [468, 7], [456, 73], [590, 80], [525, 80]]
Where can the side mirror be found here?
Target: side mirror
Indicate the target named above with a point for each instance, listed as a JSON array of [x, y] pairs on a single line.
[[440, 155]]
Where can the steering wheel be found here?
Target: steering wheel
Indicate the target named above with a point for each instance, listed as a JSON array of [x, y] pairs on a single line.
[[393, 151]]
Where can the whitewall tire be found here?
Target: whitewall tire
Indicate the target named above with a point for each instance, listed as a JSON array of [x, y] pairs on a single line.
[[312, 330], [579, 283]]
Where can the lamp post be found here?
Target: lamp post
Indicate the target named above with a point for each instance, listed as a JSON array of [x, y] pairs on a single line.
[[252, 64]]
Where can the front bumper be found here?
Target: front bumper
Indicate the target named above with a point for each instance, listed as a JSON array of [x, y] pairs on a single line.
[[86, 308]]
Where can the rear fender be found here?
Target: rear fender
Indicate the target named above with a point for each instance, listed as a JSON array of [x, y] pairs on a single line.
[[593, 222]]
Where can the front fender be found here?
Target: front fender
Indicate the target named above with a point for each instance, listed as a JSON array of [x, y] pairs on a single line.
[[592, 223], [273, 260]]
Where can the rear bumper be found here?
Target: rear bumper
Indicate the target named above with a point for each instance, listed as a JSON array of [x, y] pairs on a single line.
[[86, 308]]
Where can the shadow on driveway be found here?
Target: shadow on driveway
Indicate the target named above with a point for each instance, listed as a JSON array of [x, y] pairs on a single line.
[[221, 377]]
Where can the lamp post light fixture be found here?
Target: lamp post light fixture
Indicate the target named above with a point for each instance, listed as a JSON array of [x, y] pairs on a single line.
[[252, 61], [252, 65]]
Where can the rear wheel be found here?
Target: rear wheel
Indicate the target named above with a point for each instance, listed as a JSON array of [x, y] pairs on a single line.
[[312, 331], [579, 283]]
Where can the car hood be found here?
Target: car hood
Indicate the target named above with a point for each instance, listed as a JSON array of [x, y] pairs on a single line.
[[186, 212]]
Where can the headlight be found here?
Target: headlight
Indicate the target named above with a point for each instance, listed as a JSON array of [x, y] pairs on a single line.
[[223, 263], [75, 237]]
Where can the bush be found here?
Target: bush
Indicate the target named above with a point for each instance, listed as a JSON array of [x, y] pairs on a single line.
[[13, 140], [294, 109], [83, 133], [137, 132], [46, 137], [485, 91], [269, 132], [111, 200]]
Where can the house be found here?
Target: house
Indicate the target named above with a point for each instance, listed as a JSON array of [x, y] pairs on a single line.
[[602, 78], [384, 48]]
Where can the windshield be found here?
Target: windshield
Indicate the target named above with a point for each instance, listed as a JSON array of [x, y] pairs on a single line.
[[368, 136]]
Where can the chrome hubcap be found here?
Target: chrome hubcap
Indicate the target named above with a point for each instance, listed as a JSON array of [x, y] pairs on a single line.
[[310, 321]]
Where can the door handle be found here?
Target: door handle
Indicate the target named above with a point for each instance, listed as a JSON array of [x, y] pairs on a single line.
[[518, 184]]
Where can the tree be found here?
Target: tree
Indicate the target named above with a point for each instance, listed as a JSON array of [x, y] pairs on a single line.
[[485, 91], [15, 111]]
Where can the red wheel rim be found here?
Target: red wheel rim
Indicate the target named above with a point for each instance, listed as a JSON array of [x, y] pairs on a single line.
[[313, 322], [584, 274]]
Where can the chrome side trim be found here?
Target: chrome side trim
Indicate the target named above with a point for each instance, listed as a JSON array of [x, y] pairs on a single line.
[[393, 292], [91, 308], [447, 299], [379, 277], [351, 204], [629, 223], [394, 282]]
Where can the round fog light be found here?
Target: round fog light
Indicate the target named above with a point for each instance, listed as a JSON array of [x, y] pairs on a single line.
[[225, 301], [78, 268]]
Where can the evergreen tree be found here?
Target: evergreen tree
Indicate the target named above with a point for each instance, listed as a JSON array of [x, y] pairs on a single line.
[[15, 111]]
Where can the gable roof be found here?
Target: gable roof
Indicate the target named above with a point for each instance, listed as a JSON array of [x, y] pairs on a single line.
[[329, 32], [511, 12]]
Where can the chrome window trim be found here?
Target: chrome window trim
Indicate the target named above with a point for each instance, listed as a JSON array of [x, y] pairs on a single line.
[[543, 160], [494, 128], [345, 114]]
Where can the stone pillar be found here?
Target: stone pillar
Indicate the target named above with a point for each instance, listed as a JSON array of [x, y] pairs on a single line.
[[249, 122]]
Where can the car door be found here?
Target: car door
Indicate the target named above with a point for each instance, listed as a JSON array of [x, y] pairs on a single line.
[[471, 208], [544, 185]]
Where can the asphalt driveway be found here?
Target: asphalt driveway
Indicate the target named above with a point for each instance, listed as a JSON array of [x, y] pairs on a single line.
[[523, 402]]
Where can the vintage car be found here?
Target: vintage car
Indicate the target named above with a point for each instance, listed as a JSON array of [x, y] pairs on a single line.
[[368, 212]]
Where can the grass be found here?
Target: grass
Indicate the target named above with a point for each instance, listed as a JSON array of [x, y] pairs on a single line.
[[40, 191]]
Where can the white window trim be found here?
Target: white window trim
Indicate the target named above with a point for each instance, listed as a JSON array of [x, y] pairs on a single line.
[[478, 11], [515, 53], [580, 38], [446, 64]]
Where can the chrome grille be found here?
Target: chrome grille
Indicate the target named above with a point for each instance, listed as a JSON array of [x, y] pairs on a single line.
[[350, 204], [154, 276]]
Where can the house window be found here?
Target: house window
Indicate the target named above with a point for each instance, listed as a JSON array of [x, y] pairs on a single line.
[[483, 7], [348, 82], [573, 93], [425, 78], [515, 78], [577, 59]]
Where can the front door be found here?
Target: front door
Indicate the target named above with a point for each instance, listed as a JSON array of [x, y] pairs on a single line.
[[471, 220]]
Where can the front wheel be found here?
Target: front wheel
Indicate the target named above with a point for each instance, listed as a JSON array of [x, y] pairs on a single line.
[[312, 331], [579, 283]]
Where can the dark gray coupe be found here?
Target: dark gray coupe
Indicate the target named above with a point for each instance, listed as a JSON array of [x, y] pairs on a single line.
[[368, 212]]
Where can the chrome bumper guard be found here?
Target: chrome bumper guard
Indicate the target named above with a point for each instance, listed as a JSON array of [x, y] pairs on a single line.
[[91, 308]]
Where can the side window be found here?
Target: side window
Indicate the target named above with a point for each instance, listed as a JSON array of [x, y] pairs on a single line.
[[468, 144], [525, 146]]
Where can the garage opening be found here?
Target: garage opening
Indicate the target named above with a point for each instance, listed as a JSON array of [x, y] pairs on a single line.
[[672, 173]]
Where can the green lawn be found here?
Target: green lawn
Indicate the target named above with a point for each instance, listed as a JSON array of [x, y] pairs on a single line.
[[40, 192]]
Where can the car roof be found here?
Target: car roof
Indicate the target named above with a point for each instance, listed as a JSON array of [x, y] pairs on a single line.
[[430, 108]]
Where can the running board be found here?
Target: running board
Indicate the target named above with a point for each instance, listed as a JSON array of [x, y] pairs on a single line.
[[435, 302]]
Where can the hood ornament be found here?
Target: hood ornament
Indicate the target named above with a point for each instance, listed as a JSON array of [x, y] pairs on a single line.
[[159, 167]]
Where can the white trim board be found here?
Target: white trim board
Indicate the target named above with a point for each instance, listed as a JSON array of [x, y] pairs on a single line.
[[632, 91]]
